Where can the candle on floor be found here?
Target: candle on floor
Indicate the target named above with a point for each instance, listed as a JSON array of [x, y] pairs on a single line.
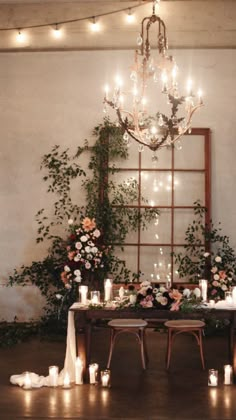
[[108, 290], [106, 378], [27, 381], [203, 287], [212, 377], [228, 375], [93, 373], [83, 291], [53, 375], [95, 297], [66, 381], [78, 371]]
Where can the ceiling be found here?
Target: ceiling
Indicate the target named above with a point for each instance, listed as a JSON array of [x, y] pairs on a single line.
[[190, 24]]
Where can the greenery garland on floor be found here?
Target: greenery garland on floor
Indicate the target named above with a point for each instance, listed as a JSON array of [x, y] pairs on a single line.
[[106, 201]]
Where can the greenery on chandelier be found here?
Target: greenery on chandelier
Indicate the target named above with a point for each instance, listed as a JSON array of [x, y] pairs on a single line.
[[107, 202]]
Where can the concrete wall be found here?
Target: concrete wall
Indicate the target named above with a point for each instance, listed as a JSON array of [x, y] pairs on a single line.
[[53, 98]]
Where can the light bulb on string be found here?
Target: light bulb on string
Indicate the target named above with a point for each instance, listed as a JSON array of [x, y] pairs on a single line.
[[130, 18], [20, 36], [57, 32], [95, 27]]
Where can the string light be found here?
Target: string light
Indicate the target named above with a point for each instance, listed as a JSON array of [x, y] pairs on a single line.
[[130, 18], [64, 22], [20, 36], [94, 26], [57, 32]]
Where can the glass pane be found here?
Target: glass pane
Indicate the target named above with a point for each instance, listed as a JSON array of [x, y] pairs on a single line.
[[155, 263], [189, 187], [159, 230], [182, 218], [156, 187], [125, 179], [163, 159], [176, 277], [132, 162], [129, 256], [191, 156]]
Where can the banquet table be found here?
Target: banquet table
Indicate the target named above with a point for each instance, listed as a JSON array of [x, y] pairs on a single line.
[[84, 318]]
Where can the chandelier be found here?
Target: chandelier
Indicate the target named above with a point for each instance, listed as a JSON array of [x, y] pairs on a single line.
[[166, 127]]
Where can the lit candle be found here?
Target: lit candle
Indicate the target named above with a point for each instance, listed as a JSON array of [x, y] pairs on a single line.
[[108, 290], [213, 377], [93, 372], [199, 94], [78, 371], [228, 375], [66, 381], [53, 375], [203, 287], [121, 292], [27, 381], [105, 378], [228, 298], [132, 299], [83, 290], [95, 297]]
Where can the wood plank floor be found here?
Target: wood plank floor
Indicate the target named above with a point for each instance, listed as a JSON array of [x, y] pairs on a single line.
[[180, 394]]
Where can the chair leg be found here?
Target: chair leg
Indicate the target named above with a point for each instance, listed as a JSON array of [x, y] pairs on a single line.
[[145, 347], [141, 337], [168, 354], [201, 349], [112, 342]]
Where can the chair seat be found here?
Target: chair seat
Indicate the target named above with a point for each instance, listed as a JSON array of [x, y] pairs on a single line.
[[185, 323], [127, 323]]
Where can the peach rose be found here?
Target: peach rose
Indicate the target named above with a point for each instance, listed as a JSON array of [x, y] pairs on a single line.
[[88, 224]]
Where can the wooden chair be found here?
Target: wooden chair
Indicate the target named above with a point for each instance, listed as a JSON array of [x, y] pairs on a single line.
[[189, 326], [133, 326]]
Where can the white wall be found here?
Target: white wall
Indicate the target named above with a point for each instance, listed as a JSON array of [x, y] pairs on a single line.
[[56, 98]]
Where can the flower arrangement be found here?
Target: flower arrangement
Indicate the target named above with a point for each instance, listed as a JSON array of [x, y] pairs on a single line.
[[221, 279], [85, 251], [158, 296]]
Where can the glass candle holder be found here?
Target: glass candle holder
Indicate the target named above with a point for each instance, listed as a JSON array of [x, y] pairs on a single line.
[[106, 378], [108, 290], [53, 375], [27, 381], [229, 298], [95, 297], [228, 375], [83, 293], [78, 371], [212, 377], [66, 381], [203, 284], [93, 373]]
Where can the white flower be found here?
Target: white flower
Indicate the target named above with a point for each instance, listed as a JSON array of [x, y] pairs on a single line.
[[90, 243], [87, 265], [94, 250], [77, 273], [87, 249], [224, 287], [215, 283], [67, 269], [97, 233], [155, 290], [206, 254], [218, 259], [143, 291], [68, 286], [162, 289], [145, 283], [77, 257], [78, 279], [70, 222], [84, 238], [58, 296], [197, 292], [162, 300], [230, 279], [186, 293], [214, 269], [78, 245], [216, 276]]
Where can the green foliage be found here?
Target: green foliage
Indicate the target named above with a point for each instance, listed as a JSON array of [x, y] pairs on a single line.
[[195, 262], [107, 202]]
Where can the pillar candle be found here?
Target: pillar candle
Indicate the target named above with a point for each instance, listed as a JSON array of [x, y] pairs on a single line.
[[78, 371], [108, 290], [93, 372], [27, 381], [228, 375], [53, 375], [66, 381], [213, 377]]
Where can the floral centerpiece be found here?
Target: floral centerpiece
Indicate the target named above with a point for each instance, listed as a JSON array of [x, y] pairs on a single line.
[[87, 255], [221, 275], [158, 296]]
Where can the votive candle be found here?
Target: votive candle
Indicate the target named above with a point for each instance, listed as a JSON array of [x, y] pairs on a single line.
[[78, 371], [27, 381], [228, 375], [93, 373], [213, 377], [53, 375], [66, 381], [106, 378], [95, 297]]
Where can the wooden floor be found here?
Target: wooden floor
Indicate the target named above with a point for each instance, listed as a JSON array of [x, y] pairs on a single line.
[[181, 394]]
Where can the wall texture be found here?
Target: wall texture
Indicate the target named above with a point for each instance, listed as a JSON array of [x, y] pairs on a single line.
[[56, 98]]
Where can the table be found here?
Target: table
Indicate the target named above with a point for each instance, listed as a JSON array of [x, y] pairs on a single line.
[[84, 318]]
